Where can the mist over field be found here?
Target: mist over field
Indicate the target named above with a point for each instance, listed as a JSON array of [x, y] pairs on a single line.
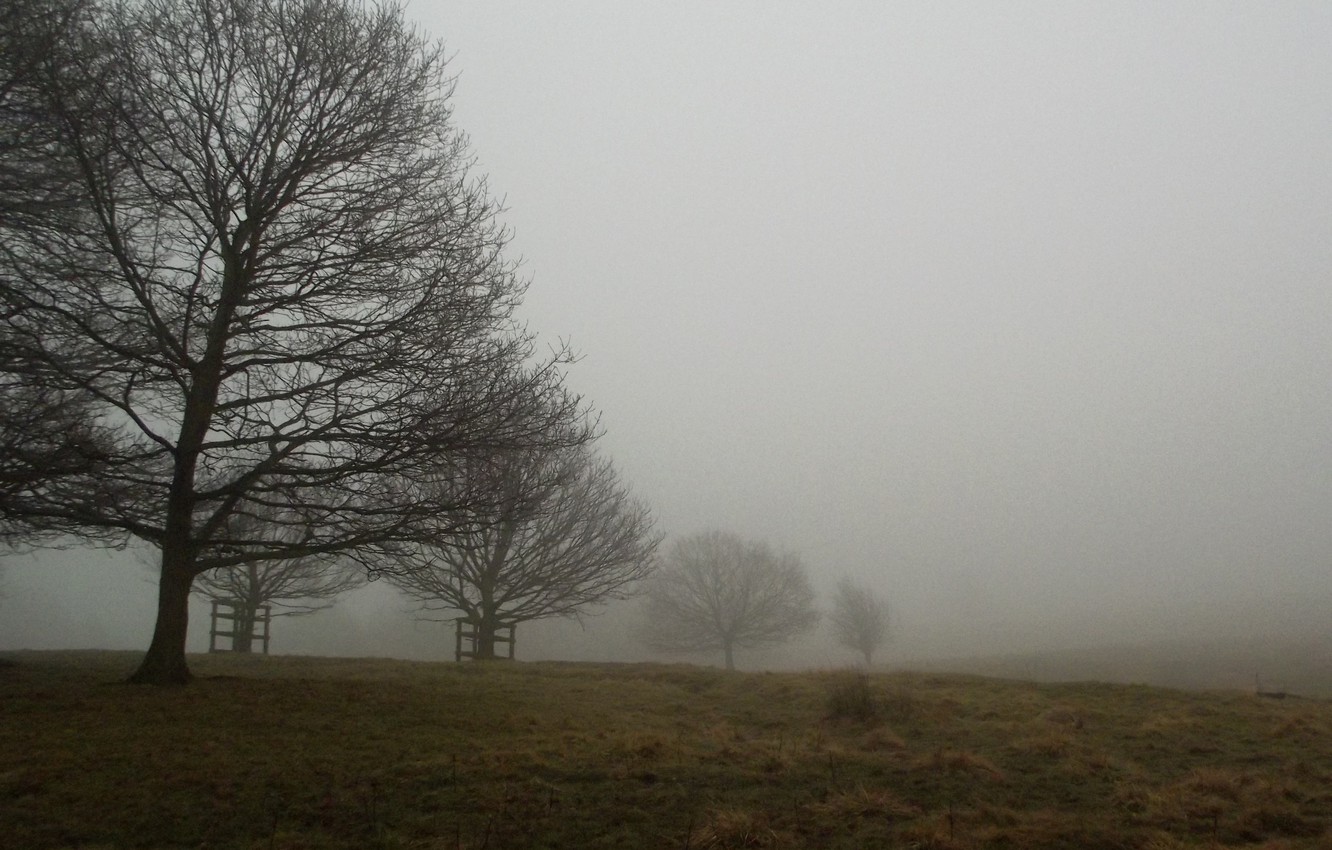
[[1018, 313]]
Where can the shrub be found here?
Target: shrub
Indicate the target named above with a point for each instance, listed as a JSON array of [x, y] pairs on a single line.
[[850, 697]]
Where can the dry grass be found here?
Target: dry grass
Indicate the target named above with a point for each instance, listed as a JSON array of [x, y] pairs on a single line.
[[262, 754]]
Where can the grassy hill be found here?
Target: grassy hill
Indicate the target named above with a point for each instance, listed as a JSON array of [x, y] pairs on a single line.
[[327, 753]]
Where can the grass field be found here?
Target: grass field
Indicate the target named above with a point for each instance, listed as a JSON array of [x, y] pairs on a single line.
[[1299, 665], [325, 753]]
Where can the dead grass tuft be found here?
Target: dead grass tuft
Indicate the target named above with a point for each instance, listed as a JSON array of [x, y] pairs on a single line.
[[882, 739], [898, 704], [1054, 744], [1063, 715], [934, 837], [1300, 726], [1098, 761], [961, 762], [850, 697], [1165, 841], [1271, 818], [645, 747], [866, 803], [731, 829], [1216, 782]]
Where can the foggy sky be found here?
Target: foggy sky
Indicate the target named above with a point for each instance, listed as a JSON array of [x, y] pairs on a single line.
[[1017, 311]]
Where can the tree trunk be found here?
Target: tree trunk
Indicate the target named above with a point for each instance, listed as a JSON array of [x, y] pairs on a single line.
[[485, 638], [164, 664], [730, 655], [244, 629]]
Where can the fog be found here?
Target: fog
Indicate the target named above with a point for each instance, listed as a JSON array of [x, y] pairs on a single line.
[[1017, 312]]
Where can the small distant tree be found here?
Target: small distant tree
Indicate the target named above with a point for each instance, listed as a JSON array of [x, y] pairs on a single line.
[[718, 592], [543, 533], [859, 618]]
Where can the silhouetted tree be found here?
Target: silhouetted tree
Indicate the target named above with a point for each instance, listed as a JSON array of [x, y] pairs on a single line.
[[50, 449], [295, 586], [279, 287], [557, 533], [716, 591], [859, 618], [50, 442]]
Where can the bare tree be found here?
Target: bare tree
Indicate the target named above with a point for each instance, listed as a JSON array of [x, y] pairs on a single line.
[[559, 533], [295, 586], [859, 618], [716, 591], [48, 440], [280, 288]]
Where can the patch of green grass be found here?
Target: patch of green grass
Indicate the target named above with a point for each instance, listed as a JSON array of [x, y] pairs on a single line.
[[313, 753]]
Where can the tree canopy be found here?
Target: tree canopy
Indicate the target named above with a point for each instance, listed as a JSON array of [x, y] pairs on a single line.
[[256, 267], [716, 591], [559, 532], [859, 618]]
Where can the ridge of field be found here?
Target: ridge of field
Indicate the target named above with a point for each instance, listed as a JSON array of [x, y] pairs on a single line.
[[296, 752]]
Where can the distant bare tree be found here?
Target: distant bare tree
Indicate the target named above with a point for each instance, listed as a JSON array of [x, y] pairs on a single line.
[[559, 532], [859, 618], [295, 586], [278, 287], [716, 591]]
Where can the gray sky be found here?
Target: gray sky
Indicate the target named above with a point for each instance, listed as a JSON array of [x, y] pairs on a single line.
[[1017, 310], [1006, 307]]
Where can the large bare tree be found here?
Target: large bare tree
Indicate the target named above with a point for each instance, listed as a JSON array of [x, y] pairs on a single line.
[[716, 591], [559, 533], [859, 618], [281, 288]]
